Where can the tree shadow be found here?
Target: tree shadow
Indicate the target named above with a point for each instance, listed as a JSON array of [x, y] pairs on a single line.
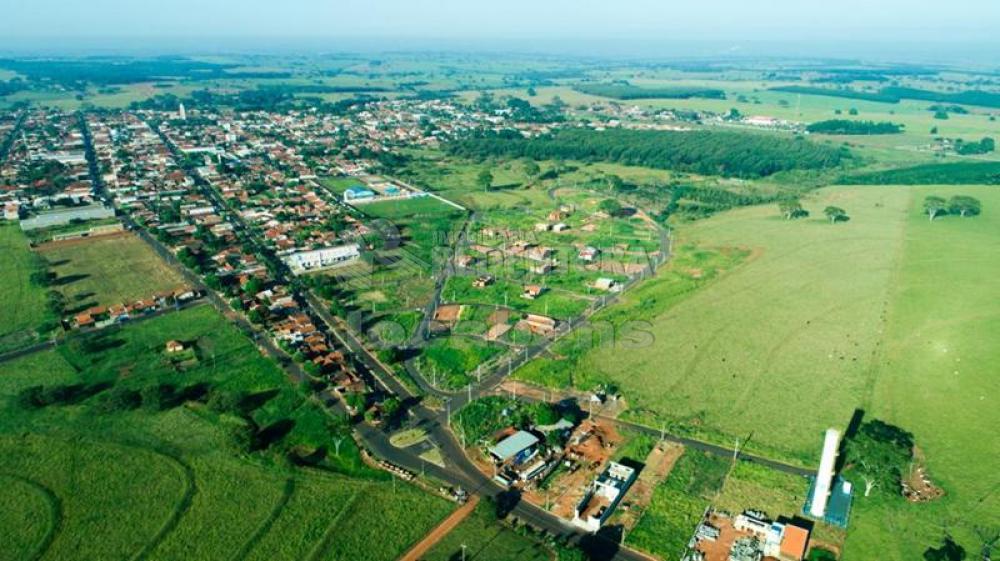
[[252, 402], [69, 279], [271, 434]]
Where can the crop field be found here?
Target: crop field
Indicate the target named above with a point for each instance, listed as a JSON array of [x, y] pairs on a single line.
[[22, 302], [106, 271], [77, 473]]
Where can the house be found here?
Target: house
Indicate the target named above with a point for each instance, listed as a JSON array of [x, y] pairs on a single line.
[[560, 227], [603, 496], [793, 545], [532, 291], [542, 227], [539, 253], [516, 449], [174, 346], [542, 268], [606, 284], [538, 324], [588, 254], [482, 281]]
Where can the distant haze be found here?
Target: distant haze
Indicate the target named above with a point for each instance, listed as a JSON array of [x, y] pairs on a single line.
[[893, 28]]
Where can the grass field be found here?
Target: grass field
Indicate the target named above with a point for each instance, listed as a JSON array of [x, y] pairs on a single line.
[[106, 271], [678, 504], [887, 312], [22, 303], [165, 483]]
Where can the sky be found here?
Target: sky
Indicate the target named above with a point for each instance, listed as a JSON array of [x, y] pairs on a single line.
[[517, 24]]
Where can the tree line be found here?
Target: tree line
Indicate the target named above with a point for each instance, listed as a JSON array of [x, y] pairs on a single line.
[[726, 153], [846, 126], [627, 91]]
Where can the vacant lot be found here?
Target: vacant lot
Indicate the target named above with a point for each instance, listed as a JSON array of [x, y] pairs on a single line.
[[22, 303], [170, 480], [106, 271]]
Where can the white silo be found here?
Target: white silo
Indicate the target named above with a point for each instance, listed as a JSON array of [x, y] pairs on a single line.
[[824, 477]]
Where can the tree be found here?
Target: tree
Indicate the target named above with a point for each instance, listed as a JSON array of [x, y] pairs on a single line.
[[964, 206], [934, 206], [531, 168], [880, 453], [835, 214], [242, 435], [790, 208], [615, 183], [611, 207], [391, 407], [485, 179]]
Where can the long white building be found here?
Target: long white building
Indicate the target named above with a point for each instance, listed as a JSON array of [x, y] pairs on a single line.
[[316, 259]]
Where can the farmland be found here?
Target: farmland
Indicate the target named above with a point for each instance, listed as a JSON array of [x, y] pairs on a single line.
[[201, 496], [106, 271]]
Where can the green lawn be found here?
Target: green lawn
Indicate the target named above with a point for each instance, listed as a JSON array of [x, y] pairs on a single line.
[[22, 303], [170, 482]]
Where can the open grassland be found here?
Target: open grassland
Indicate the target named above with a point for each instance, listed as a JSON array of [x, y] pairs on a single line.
[[156, 481], [22, 303], [106, 271], [801, 317], [887, 312], [937, 378], [485, 540]]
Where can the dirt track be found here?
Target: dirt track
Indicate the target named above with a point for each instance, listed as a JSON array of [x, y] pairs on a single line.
[[447, 525]]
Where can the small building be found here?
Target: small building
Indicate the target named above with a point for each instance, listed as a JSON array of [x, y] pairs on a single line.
[[532, 291], [588, 254], [542, 268], [603, 496], [482, 281], [560, 227], [606, 284], [358, 193], [542, 227], [174, 346], [516, 449]]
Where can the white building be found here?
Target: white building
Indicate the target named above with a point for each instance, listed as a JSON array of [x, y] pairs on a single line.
[[603, 496], [316, 259]]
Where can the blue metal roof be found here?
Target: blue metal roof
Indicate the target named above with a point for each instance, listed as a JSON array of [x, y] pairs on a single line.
[[513, 445]]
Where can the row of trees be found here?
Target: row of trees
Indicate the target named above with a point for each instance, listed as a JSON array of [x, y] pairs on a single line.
[[791, 208], [960, 205], [727, 153], [846, 126]]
